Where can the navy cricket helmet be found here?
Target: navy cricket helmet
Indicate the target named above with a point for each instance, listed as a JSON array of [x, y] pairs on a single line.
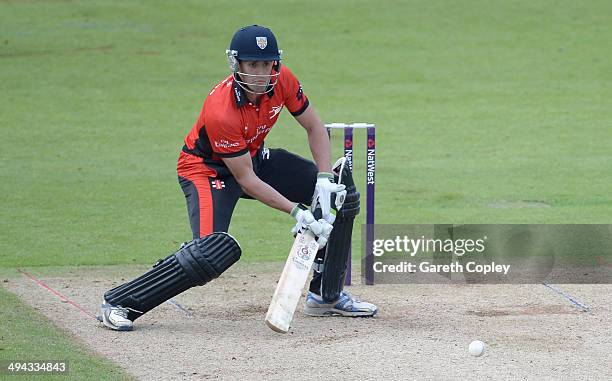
[[254, 43]]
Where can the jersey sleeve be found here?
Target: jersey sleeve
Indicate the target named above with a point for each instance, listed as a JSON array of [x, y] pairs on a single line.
[[295, 99], [225, 136]]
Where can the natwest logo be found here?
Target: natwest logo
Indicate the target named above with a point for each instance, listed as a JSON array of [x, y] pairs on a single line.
[[371, 166]]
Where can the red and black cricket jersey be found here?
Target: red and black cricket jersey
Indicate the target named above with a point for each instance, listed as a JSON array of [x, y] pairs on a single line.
[[229, 125]]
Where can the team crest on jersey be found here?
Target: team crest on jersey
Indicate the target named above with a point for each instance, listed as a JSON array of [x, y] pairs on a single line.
[[262, 42], [218, 184]]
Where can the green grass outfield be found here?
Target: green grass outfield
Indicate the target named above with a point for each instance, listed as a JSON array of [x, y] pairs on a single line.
[[477, 103], [481, 106], [27, 336]]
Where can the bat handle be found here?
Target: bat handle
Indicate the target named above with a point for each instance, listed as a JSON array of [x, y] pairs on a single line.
[[317, 212]]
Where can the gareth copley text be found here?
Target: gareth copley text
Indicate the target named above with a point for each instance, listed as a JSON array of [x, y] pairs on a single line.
[[455, 267]]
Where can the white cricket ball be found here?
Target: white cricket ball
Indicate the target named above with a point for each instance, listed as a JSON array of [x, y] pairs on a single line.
[[476, 348]]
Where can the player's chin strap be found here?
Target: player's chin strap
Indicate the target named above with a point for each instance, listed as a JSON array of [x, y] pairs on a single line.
[[245, 86], [232, 57]]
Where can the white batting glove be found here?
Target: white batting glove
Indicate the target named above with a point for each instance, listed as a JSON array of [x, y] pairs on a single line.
[[305, 220], [324, 236], [324, 188]]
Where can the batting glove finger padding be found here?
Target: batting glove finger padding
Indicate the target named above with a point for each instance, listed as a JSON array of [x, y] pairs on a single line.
[[306, 220]]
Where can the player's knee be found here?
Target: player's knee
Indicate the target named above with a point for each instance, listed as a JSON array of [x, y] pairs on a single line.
[[205, 259]]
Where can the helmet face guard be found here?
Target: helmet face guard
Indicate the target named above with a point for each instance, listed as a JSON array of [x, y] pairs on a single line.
[[254, 43]]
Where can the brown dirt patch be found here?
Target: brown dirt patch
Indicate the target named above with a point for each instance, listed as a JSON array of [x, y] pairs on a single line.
[[424, 330]]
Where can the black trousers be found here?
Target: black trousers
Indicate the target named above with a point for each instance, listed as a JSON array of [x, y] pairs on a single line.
[[211, 200]]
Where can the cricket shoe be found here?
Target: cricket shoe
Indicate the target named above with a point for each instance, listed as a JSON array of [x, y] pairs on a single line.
[[115, 317], [346, 305]]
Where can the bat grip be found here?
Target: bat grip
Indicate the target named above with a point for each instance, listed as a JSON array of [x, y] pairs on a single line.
[[317, 212]]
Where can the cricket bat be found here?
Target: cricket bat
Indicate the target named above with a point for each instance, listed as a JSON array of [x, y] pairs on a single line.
[[292, 281]]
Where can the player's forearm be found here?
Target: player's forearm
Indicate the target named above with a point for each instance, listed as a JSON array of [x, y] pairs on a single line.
[[317, 138], [319, 146], [259, 190]]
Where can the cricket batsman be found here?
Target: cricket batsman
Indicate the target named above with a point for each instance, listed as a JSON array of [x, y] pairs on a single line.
[[224, 159]]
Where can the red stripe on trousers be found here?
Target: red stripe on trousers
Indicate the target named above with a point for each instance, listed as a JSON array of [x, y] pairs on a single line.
[[198, 175]]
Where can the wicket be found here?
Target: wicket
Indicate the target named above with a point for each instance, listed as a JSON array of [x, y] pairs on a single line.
[[370, 181]]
